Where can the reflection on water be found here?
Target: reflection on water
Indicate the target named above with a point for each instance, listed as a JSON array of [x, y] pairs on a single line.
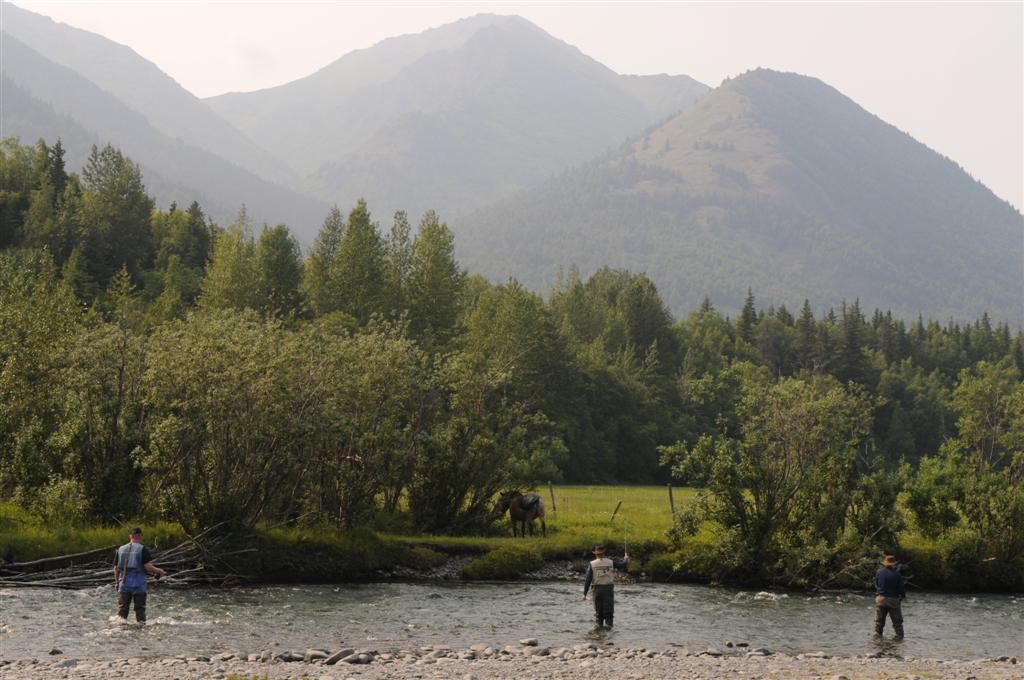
[[387, 616]]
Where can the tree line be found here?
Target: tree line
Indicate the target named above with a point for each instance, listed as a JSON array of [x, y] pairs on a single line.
[[153, 362]]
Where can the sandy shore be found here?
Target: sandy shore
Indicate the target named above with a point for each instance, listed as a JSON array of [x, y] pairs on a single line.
[[521, 661]]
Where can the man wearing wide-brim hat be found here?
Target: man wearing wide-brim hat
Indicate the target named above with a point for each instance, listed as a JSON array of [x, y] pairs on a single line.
[[601, 574], [890, 591]]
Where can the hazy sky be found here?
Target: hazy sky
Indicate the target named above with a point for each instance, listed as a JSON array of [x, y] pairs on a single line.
[[951, 74]]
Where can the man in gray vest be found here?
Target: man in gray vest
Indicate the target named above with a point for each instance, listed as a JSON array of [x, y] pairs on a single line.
[[601, 574], [130, 566]]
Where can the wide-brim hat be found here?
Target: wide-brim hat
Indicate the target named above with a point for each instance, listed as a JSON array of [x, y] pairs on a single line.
[[889, 561], [598, 550]]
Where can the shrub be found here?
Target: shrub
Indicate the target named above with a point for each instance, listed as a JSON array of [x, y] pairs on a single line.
[[502, 564], [423, 558]]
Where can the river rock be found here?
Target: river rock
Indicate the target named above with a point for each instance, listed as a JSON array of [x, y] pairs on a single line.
[[312, 654], [289, 656], [529, 642], [710, 651], [478, 647], [68, 663], [338, 656], [537, 651], [55, 652]]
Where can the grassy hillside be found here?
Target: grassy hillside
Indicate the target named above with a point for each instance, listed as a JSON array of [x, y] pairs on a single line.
[[780, 183]]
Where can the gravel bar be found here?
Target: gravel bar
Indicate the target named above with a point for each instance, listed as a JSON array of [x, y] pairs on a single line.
[[526, 659]]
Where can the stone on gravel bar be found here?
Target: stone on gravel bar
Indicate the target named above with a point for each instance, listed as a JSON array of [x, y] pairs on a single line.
[[338, 656], [55, 651], [315, 654], [529, 642]]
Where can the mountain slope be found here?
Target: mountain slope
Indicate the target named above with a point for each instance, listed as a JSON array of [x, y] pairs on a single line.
[[141, 86], [453, 117], [44, 99], [778, 182]]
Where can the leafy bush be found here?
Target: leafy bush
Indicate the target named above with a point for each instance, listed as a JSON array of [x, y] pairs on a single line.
[[502, 564], [423, 558]]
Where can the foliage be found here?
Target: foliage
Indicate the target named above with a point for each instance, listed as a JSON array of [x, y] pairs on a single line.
[[503, 564], [202, 374], [784, 489]]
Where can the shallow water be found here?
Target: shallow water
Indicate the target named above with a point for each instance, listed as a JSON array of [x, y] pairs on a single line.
[[401, 615]]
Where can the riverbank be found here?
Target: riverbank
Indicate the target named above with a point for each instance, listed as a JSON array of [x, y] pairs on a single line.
[[388, 548], [533, 660]]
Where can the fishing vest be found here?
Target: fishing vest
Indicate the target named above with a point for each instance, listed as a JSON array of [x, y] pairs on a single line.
[[129, 558], [603, 570]]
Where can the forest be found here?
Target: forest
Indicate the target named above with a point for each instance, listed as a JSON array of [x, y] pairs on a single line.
[[155, 364]]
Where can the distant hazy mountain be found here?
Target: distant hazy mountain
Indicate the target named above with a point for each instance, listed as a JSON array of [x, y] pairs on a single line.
[[453, 117], [141, 86], [778, 182], [44, 99]]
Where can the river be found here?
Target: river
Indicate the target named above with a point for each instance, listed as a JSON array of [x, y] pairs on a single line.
[[402, 615]]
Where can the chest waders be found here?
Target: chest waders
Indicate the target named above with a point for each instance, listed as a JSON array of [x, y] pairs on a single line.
[[603, 571], [132, 586]]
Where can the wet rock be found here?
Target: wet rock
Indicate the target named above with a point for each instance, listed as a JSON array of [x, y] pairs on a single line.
[[528, 642], [288, 656], [55, 651], [338, 656], [312, 654], [728, 643], [226, 656], [68, 663]]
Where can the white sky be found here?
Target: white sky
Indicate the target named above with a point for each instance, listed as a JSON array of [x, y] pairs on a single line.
[[951, 74]]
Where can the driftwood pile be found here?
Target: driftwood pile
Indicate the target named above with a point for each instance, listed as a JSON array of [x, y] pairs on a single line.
[[199, 560]]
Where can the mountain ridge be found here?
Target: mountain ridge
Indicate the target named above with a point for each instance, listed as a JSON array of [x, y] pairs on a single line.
[[773, 181]]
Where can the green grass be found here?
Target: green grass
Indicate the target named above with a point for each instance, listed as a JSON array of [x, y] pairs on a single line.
[[581, 518], [24, 538]]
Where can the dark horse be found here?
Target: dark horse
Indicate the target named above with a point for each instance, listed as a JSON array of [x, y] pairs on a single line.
[[523, 510]]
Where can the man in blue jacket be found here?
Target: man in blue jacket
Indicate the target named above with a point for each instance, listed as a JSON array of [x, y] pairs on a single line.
[[130, 566], [890, 591], [601, 574]]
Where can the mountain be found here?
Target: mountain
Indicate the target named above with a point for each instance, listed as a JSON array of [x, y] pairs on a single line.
[[453, 117], [141, 86], [44, 99], [777, 182]]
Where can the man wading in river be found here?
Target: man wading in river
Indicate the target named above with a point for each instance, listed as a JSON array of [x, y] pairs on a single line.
[[130, 566], [601, 573], [890, 590]]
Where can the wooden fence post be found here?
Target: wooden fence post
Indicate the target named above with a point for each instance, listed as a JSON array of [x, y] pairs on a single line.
[[551, 490]]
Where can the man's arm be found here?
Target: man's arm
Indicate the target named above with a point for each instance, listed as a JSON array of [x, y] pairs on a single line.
[[148, 566], [622, 564], [903, 587], [117, 579], [587, 581]]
